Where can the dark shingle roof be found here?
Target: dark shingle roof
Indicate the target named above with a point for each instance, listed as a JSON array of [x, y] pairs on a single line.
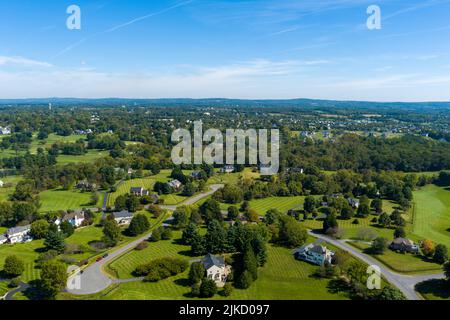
[[15, 230], [211, 260]]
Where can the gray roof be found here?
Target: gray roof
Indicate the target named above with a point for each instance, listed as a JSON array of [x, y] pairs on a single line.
[[136, 189], [19, 229], [210, 260], [2, 237], [123, 214]]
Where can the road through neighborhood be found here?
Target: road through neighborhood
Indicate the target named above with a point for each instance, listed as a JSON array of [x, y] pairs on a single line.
[[404, 283], [94, 279]]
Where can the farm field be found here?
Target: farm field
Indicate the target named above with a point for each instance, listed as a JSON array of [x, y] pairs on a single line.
[[403, 263], [282, 204], [52, 139], [432, 214], [58, 199]]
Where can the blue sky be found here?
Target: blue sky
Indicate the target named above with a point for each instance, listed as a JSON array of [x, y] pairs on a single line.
[[234, 49]]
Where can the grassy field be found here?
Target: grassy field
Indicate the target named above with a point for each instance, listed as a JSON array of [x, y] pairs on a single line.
[[5, 192], [58, 199], [90, 156], [147, 183], [125, 265], [28, 252], [432, 214], [282, 204], [4, 288], [282, 277], [52, 139], [403, 263]]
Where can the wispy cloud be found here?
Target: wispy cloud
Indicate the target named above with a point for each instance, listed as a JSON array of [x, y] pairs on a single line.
[[122, 25], [21, 61]]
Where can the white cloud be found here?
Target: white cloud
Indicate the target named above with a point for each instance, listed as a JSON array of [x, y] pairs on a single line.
[[20, 61]]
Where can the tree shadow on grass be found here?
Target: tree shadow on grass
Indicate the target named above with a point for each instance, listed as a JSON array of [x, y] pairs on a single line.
[[437, 287], [182, 282], [336, 286], [186, 253]]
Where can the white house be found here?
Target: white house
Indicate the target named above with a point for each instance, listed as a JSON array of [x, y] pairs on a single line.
[[314, 253], [139, 191], [19, 234], [353, 202], [123, 217], [5, 130], [1, 183], [216, 269], [74, 218], [227, 169], [3, 239], [176, 184]]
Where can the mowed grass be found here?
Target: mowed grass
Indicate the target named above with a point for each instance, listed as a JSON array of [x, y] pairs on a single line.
[[4, 288], [58, 199], [5, 192], [282, 204], [90, 156], [28, 252], [432, 214], [282, 277], [350, 230], [403, 263], [124, 266], [147, 183]]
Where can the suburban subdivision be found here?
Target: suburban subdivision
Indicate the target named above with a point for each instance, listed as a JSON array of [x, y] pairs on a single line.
[[92, 207]]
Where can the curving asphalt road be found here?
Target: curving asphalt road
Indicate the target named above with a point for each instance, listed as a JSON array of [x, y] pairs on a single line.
[[404, 283], [94, 280]]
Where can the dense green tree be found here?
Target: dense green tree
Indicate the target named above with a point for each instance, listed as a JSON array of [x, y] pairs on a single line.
[[111, 233], [138, 225], [196, 273], [67, 228], [13, 266], [39, 229], [379, 245], [440, 254], [233, 213], [53, 278], [54, 240], [208, 288]]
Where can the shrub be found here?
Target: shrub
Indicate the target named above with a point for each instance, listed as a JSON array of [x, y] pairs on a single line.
[[14, 266], [227, 290], [208, 288], [166, 234], [141, 246], [14, 283], [161, 269]]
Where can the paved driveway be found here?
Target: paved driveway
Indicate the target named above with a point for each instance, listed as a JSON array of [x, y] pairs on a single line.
[[404, 283], [94, 279]]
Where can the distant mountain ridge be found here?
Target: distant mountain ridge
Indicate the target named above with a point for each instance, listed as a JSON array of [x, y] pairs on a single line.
[[224, 102]]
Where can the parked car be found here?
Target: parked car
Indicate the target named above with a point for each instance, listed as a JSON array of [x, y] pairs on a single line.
[[99, 259]]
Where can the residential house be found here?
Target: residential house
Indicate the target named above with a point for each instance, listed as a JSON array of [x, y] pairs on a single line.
[[227, 169], [353, 202], [314, 253], [139, 191], [19, 234], [5, 130], [404, 245], [123, 217], [86, 186], [1, 183], [195, 174], [75, 218], [176, 184], [216, 269], [3, 239]]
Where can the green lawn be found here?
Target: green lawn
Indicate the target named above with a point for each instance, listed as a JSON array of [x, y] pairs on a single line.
[[5, 192], [147, 183], [432, 214], [125, 265], [282, 277], [282, 204], [4, 288], [52, 139], [90, 156], [403, 263], [28, 252], [58, 199]]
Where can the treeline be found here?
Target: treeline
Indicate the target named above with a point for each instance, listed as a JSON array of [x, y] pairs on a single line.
[[408, 153]]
